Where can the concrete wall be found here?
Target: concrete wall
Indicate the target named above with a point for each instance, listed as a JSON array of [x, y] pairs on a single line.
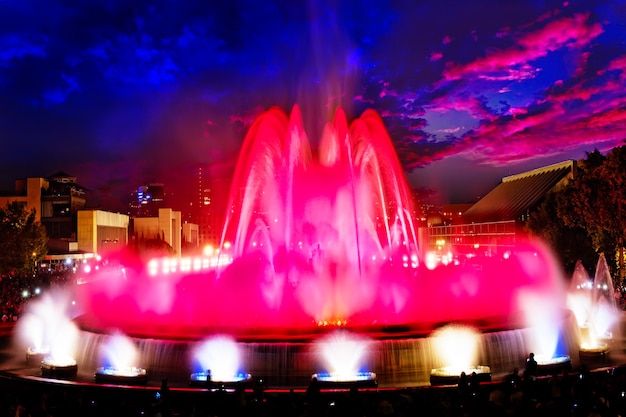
[[32, 197], [91, 221], [166, 226]]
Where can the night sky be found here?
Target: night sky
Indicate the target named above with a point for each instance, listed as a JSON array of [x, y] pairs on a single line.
[[119, 93]]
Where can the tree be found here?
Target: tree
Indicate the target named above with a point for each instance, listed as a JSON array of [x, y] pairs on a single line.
[[595, 200], [570, 244], [22, 239]]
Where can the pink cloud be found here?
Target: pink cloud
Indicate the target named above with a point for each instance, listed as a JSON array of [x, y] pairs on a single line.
[[451, 130], [516, 111], [471, 105], [619, 64], [569, 32], [246, 118], [362, 99], [551, 132], [436, 56]]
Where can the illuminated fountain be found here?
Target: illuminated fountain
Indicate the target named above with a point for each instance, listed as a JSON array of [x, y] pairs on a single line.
[[119, 357], [217, 364], [321, 240], [597, 332], [49, 336], [344, 358], [456, 347]]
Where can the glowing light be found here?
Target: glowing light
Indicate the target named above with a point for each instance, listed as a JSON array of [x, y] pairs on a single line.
[[431, 260], [220, 356], [47, 325], [343, 354], [446, 342], [543, 322], [119, 352]]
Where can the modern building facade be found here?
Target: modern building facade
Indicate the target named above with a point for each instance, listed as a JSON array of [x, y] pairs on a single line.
[[166, 226], [210, 205], [29, 193], [60, 203], [147, 200], [101, 231], [491, 225]]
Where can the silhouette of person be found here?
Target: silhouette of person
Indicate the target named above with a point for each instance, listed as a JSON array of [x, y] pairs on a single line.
[[313, 392], [531, 366]]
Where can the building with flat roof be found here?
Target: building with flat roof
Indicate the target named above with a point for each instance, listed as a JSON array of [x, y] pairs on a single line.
[[166, 226], [101, 231], [491, 224], [28, 192]]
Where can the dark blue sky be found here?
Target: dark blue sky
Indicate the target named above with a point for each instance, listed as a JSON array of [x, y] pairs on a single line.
[[122, 92]]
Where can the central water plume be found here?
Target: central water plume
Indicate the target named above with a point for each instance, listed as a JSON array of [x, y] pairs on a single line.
[[326, 224], [321, 238]]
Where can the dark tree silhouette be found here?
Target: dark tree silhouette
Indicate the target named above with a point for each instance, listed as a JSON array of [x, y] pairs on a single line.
[[22, 239]]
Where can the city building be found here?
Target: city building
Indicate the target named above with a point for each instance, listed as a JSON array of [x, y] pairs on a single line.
[[210, 206], [56, 201], [100, 231], [491, 225], [76, 233], [146, 200], [28, 192], [166, 226], [60, 203]]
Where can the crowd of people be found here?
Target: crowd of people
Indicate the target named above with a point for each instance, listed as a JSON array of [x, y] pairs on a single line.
[[17, 290], [571, 393]]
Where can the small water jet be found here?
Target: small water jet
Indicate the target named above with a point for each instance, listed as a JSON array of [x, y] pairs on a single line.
[[597, 334], [217, 364], [579, 295], [456, 348], [49, 335], [119, 357], [344, 357]]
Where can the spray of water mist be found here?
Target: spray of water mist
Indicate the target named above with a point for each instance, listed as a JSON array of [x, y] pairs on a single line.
[[219, 356]]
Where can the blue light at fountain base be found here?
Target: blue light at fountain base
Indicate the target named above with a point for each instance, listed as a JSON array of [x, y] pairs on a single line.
[[128, 376], [201, 379], [358, 380]]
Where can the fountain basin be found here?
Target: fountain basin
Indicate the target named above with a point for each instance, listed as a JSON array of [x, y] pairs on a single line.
[[358, 380], [127, 376], [402, 357], [201, 379], [35, 356], [451, 376], [552, 366], [597, 352], [59, 368]]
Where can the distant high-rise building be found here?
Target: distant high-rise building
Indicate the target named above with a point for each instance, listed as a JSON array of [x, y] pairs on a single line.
[[210, 205], [147, 200]]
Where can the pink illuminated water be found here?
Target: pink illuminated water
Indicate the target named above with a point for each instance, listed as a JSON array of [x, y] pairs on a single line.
[[322, 238]]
